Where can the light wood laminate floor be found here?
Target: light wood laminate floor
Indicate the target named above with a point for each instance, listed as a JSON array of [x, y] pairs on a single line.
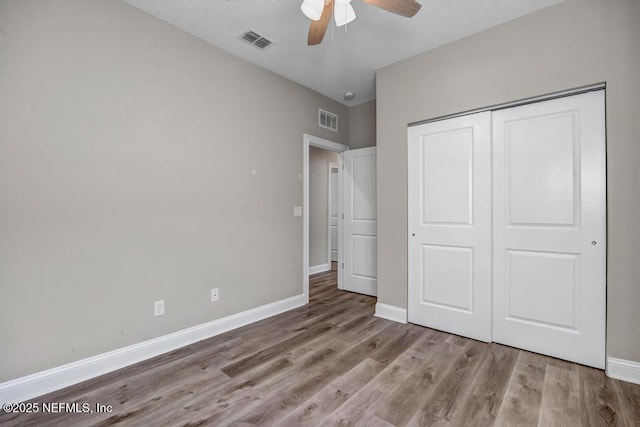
[[333, 363]]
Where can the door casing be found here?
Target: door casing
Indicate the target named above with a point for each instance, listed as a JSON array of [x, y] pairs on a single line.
[[307, 141]]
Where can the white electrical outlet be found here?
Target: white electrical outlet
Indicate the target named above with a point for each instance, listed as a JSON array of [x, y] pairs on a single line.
[[214, 295], [158, 308]]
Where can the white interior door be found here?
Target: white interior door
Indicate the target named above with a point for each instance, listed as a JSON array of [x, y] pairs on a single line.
[[360, 222], [449, 225], [333, 212], [549, 228]]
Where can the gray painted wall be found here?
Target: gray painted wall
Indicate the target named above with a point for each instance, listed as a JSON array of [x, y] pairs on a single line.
[[319, 160], [575, 43], [132, 170], [362, 125]]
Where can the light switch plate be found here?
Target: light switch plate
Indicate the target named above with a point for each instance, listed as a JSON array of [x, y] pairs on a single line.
[[297, 211], [158, 308]]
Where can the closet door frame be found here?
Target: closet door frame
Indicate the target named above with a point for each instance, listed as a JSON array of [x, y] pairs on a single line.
[[497, 107]]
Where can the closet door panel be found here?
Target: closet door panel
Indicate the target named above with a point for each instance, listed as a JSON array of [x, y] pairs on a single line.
[[549, 235], [450, 225]]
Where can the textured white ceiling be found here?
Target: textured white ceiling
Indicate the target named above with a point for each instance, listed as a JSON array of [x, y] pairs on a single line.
[[344, 61]]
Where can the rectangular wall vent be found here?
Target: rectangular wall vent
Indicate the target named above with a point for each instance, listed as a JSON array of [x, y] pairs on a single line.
[[255, 39], [327, 120]]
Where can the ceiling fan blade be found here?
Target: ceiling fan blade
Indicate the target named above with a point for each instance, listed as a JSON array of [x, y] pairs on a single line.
[[406, 8], [318, 28]]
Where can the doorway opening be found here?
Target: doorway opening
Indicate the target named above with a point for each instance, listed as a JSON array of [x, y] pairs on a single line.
[[308, 142], [323, 214]]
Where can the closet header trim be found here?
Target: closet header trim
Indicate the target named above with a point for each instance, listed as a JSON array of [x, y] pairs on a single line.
[[525, 101]]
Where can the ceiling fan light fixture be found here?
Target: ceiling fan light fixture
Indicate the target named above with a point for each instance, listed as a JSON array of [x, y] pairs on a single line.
[[342, 2], [312, 9], [343, 13]]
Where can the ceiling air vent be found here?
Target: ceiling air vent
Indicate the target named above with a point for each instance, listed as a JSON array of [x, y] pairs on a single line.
[[327, 120], [257, 40]]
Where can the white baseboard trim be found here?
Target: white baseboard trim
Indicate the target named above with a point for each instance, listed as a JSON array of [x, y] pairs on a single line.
[[391, 312], [320, 268], [44, 382], [625, 370]]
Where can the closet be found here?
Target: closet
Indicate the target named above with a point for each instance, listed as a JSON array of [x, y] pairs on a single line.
[[507, 226]]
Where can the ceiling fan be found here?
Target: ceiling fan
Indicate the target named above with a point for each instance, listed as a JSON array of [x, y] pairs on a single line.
[[320, 11]]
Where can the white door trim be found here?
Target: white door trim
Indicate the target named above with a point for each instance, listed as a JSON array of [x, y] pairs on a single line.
[[307, 141]]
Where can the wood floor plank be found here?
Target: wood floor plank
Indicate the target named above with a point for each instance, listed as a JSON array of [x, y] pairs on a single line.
[[560, 404], [314, 410], [363, 349], [273, 351], [361, 403], [403, 401], [373, 420], [521, 404], [629, 399], [333, 363], [363, 330], [405, 338], [281, 404], [274, 409], [145, 372], [161, 405], [599, 400], [317, 355], [233, 398], [488, 388], [440, 405]]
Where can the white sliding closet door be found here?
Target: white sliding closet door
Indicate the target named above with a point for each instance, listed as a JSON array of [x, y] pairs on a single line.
[[507, 227], [450, 225], [549, 234]]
